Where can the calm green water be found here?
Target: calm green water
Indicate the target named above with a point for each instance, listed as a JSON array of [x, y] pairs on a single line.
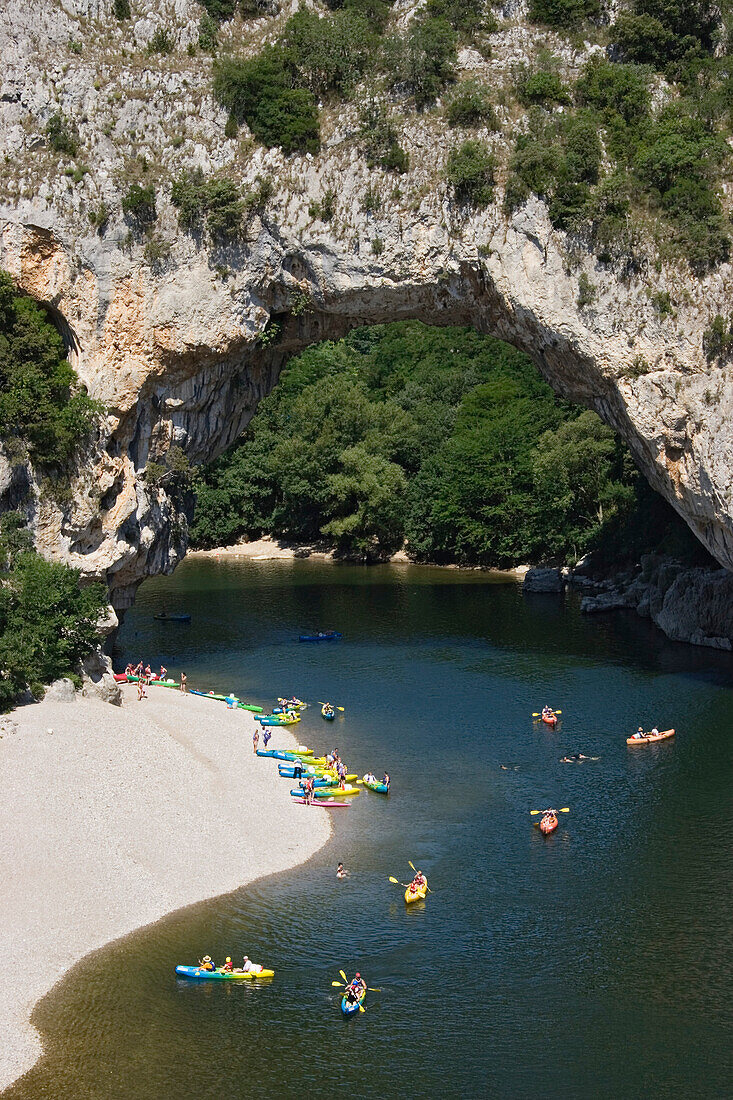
[[594, 963]]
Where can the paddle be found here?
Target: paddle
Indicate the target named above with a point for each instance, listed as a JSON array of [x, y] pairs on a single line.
[[397, 882], [371, 989], [562, 810], [415, 870], [329, 705], [537, 714]]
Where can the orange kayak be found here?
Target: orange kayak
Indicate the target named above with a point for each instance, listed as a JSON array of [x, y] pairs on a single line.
[[548, 824], [550, 721], [649, 737]]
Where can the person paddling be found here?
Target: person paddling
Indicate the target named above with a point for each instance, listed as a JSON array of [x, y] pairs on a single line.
[[355, 988], [206, 963], [341, 871]]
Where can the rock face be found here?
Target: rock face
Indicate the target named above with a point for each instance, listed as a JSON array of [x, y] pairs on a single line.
[[689, 605], [543, 580], [181, 340]]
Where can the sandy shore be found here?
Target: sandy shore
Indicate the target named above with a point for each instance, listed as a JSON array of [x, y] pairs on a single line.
[[119, 816], [269, 549]]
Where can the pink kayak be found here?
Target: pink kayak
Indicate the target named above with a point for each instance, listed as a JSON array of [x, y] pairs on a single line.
[[322, 803]]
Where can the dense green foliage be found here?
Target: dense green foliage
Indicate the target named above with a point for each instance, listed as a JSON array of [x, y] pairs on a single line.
[[139, 205], [667, 161], [47, 622], [563, 14], [62, 135], [470, 105], [42, 406], [470, 172], [215, 203], [440, 436]]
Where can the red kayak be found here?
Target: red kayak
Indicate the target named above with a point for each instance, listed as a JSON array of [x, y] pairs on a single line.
[[323, 803], [120, 677], [548, 824], [550, 721]]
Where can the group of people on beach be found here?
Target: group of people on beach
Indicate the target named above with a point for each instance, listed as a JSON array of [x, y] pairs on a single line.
[[145, 677]]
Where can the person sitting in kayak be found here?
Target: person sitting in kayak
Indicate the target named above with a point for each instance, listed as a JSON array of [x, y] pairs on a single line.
[[249, 967], [639, 734], [654, 732], [574, 758], [355, 988], [547, 712], [206, 963], [341, 871], [228, 965]]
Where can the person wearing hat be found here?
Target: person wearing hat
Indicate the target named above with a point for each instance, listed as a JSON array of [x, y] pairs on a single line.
[[248, 967], [356, 988], [206, 963]]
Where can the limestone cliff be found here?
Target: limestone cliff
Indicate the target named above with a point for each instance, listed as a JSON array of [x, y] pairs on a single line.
[[175, 337]]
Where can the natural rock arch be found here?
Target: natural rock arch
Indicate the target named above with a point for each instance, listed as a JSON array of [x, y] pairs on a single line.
[[182, 355]]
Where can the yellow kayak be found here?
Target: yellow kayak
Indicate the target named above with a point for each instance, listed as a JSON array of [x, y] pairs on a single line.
[[416, 895]]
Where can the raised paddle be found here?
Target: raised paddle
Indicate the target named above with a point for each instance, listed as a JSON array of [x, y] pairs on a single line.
[[329, 705], [369, 987], [562, 810], [397, 882], [537, 714], [415, 870]]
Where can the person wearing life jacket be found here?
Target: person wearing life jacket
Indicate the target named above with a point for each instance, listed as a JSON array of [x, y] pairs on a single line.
[[355, 988], [206, 963], [639, 734], [228, 965]]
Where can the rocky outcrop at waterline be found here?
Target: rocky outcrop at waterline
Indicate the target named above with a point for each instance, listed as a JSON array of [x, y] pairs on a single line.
[[180, 339]]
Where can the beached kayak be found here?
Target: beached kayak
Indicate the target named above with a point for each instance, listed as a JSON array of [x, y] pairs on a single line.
[[416, 895], [328, 792], [289, 755], [548, 824], [224, 699], [318, 781], [649, 737], [325, 804], [321, 636], [120, 678], [375, 785], [198, 974], [350, 1007], [276, 720], [316, 772]]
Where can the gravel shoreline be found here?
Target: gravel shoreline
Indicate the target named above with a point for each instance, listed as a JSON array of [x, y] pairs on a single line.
[[113, 817]]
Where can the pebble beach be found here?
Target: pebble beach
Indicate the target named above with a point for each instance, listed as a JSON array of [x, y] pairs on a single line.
[[113, 817]]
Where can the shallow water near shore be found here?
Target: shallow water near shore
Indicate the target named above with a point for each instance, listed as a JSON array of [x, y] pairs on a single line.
[[594, 962]]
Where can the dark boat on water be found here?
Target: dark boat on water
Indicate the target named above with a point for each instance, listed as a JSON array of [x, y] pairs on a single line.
[[182, 617], [321, 636]]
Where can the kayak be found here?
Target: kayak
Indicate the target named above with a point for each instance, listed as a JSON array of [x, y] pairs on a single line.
[[321, 636], [648, 738], [318, 781], [182, 617], [328, 714], [224, 699], [317, 773], [328, 792], [289, 755], [325, 805], [276, 720], [548, 824], [222, 975], [135, 679], [375, 785], [416, 895], [549, 721], [350, 1007]]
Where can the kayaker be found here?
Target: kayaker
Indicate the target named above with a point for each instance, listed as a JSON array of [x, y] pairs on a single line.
[[255, 740], [655, 732], [574, 758], [183, 682], [341, 872], [228, 964], [639, 733], [206, 963], [249, 967], [385, 780]]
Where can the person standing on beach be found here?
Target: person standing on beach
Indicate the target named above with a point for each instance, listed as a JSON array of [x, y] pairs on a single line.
[[266, 735], [183, 681], [255, 740]]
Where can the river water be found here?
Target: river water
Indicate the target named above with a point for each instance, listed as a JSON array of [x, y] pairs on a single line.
[[596, 962]]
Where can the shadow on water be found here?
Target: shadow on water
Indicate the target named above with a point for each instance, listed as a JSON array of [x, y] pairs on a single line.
[[596, 962]]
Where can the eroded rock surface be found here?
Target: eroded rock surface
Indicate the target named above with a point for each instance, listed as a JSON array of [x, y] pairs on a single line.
[[181, 345]]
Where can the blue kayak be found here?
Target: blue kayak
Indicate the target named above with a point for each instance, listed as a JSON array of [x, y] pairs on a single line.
[[350, 1007], [284, 754], [321, 636], [316, 782]]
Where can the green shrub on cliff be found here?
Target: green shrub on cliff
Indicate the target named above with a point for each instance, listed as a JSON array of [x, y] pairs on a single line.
[[47, 622], [43, 408]]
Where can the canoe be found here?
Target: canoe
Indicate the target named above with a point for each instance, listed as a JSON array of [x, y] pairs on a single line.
[[416, 895], [180, 618], [325, 804], [648, 738], [321, 636], [550, 721], [548, 824], [221, 975], [224, 698], [380, 788], [350, 1007], [327, 792]]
